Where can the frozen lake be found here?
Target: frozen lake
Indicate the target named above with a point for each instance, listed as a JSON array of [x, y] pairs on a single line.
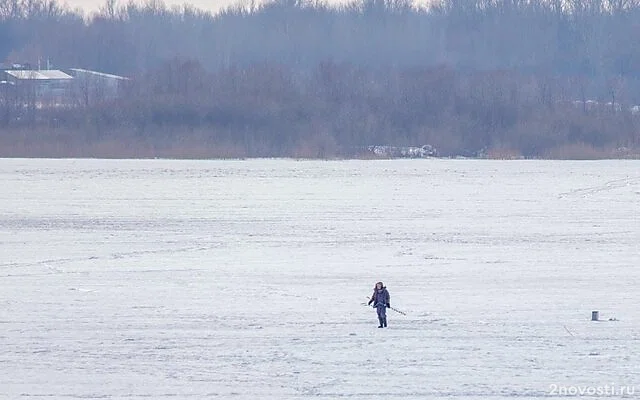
[[245, 279]]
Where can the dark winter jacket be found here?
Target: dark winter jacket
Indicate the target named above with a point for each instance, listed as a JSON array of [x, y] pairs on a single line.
[[380, 298]]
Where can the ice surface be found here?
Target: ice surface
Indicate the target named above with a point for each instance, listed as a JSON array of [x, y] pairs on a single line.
[[244, 279]]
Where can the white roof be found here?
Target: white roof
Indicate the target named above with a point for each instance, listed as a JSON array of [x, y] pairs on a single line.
[[43, 74], [100, 74]]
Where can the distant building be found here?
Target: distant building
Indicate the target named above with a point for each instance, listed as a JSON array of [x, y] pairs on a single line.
[[42, 88], [7, 93], [4, 66], [55, 88], [93, 87]]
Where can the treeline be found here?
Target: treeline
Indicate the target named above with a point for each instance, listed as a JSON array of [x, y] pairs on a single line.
[[597, 38], [182, 109], [503, 78]]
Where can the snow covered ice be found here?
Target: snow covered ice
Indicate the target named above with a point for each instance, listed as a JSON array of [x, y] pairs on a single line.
[[245, 279]]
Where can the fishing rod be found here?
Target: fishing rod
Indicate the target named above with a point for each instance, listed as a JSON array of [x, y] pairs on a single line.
[[392, 308]]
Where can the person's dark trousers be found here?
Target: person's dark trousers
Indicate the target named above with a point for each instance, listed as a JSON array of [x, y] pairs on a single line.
[[382, 315]]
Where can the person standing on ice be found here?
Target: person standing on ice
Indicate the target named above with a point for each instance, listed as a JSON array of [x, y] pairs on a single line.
[[381, 301]]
